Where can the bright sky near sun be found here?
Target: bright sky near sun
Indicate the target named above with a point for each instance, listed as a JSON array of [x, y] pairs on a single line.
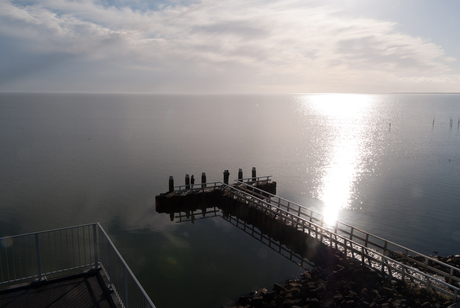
[[236, 46]]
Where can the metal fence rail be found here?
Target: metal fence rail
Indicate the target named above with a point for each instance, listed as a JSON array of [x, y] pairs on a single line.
[[367, 256], [449, 273], [33, 256], [257, 179], [197, 187]]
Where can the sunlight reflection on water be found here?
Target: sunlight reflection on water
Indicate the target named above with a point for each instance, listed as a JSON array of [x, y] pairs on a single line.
[[345, 115]]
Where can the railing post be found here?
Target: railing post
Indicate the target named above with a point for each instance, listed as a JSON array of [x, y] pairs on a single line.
[[427, 283], [403, 272], [96, 261], [39, 265]]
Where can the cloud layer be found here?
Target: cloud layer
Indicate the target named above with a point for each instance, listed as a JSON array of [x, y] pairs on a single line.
[[212, 46]]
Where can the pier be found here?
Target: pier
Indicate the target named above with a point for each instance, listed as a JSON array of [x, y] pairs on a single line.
[[311, 237]]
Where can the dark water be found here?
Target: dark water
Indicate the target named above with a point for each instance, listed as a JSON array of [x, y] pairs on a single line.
[[73, 159]]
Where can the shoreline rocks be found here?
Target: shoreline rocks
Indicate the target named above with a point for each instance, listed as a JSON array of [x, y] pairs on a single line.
[[344, 283]]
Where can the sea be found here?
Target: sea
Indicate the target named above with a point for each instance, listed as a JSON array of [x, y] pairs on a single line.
[[387, 164]]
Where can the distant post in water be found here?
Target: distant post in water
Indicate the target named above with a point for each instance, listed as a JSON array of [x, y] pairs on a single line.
[[187, 181], [203, 180], [240, 174], [254, 173], [171, 183], [226, 175]]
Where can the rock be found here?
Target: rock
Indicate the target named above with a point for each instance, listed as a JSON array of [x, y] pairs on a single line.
[[306, 275], [295, 292], [269, 295], [279, 288], [292, 285], [313, 303]]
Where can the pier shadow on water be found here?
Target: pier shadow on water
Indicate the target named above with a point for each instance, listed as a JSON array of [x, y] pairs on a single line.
[[288, 241]]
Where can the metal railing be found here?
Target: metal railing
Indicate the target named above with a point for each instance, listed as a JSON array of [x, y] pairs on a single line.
[[257, 179], [34, 256], [196, 187], [367, 256], [368, 240], [214, 185]]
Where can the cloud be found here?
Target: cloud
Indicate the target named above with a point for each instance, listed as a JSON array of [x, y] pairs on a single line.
[[286, 46]]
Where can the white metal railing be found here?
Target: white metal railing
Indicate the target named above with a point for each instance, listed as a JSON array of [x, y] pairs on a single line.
[[349, 247], [33, 256], [450, 273]]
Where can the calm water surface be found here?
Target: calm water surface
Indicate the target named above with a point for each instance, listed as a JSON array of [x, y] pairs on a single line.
[[378, 162]]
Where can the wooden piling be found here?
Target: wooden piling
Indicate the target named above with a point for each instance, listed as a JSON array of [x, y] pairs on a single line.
[[254, 172], [203, 180], [226, 176], [240, 174], [171, 183], [187, 181]]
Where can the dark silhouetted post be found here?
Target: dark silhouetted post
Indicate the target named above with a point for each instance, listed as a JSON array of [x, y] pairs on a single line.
[[203, 180], [254, 173], [187, 181], [171, 183], [226, 175], [240, 174]]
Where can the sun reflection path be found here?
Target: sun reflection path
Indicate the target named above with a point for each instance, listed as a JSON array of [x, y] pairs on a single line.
[[344, 115]]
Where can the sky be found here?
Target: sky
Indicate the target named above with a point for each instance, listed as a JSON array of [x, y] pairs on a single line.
[[236, 46]]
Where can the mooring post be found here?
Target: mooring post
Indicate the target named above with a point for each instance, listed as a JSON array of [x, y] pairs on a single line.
[[253, 173], [187, 181], [226, 175], [171, 183], [240, 174], [203, 180]]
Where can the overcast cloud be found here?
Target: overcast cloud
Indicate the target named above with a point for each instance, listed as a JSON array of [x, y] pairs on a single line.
[[212, 46]]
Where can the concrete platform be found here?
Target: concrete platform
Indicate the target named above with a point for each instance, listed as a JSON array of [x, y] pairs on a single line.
[[81, 290]]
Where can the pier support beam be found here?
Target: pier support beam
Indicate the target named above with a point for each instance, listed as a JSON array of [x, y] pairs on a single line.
[[171, 183]]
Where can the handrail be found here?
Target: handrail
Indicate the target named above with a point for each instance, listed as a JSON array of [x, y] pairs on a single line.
[[367, 238], [198, 186], [349, 246], [255, 179], [36, 255]]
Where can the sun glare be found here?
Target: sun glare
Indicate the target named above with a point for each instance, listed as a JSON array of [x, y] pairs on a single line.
[[344, 115]]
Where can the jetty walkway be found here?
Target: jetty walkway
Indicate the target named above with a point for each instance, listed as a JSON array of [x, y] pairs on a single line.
[[372, 251]]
